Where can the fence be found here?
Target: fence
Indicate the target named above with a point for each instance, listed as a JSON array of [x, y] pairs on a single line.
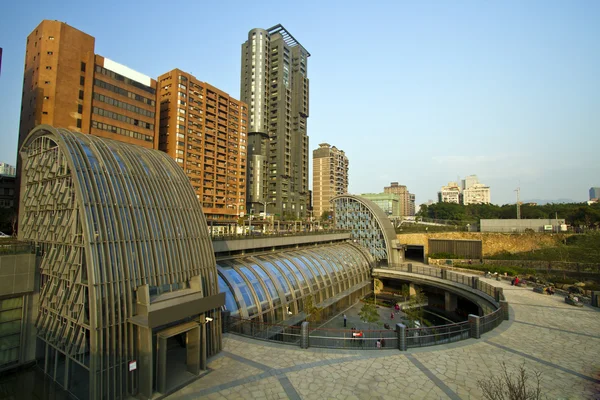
[[353, 339], [263, 331], [15, 248], [401, 338], [441, 334]]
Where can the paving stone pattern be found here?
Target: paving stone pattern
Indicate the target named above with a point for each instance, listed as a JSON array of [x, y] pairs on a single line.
[[544, 334]]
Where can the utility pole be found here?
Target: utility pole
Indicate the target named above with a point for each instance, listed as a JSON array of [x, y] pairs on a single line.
[[518, 190]]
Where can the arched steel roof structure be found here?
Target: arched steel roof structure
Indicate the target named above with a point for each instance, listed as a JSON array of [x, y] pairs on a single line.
[[369, 225], [118, 225], [269, 285]]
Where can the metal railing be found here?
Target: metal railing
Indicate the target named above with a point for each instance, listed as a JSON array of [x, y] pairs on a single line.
[[15, 248], [258, 235], [353, 339], [259, 330], [434, 335], [491, 321]]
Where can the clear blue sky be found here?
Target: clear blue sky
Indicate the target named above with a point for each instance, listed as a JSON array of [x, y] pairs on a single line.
[[416, 92]]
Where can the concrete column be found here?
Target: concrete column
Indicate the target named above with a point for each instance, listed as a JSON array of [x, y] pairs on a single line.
[[304, 335], [498, 293], [193, 350], [450, 302], [474, 282], [225, 324], [504, 307], [401, 334], [161, 365], [595, 299], [203, 344], [475, 332], [444, 274], [145, 362], [410, 267], [411, 289]]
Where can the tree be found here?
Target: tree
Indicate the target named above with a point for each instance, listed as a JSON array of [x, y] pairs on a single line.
[[325, 216], [369, 314], [414, 310], [511, 386], [311, 311]]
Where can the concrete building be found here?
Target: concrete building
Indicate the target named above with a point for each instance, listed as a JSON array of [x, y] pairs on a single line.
[[477, 193], [204, 130], [7, 191], [7, 169], [469, 181], [594, 193], [521, 225], [330, 177], [389, 203], [275, 86], [450, 193], [67, 85], [407, 199]]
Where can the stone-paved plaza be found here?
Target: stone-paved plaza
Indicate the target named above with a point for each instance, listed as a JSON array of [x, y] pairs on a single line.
[[543, 333]]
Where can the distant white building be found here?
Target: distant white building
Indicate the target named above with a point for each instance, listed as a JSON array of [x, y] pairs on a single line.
[[450, 193], [477, 193], [469, 181], [7, 169]]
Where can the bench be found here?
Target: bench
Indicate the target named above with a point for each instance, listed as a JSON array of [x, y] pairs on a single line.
[[540, 290]]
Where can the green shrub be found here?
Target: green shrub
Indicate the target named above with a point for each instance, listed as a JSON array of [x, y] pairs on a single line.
[[448, 256]]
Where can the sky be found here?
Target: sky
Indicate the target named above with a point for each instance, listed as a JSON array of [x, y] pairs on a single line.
[[421, 92]]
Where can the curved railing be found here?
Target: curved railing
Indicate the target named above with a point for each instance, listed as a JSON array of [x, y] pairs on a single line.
[[401, 338]]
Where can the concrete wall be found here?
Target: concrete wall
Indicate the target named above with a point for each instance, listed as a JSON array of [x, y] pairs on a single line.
[[17, 273], [520, 225], [492, 243]]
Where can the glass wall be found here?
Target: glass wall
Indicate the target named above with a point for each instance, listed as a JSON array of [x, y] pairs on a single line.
[[270, 286]]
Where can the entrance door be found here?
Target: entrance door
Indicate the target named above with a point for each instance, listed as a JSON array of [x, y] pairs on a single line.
[[178, 355]]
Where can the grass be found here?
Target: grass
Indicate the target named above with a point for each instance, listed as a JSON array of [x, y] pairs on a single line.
[[577, 248]]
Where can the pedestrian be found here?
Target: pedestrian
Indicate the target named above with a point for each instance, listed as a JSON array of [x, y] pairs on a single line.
[[378, 344], [344, 320], [382, 342], [392, 316]]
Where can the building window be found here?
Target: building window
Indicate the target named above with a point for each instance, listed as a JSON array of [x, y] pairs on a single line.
[[49, 53], [51, 37], [82, 80], [79, 122], [80, 108], [81, 95], [46, 97], [47, 82], [82, 66], [48, 67]]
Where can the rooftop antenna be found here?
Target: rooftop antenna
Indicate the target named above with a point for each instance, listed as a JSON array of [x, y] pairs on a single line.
[[518, 190]]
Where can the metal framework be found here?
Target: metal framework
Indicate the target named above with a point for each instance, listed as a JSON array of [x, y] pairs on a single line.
[[369, 225], [289, 40], [108, 219], [268, 287]]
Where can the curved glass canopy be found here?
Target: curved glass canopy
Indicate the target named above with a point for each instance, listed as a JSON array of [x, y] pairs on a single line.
[[269, 285]]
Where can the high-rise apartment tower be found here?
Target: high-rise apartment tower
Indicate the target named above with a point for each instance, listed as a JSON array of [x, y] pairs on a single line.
[[274, 84], [66, 85], [330, 177], [204, 130]]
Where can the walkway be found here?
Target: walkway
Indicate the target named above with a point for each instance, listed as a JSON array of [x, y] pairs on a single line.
[[544, 333]]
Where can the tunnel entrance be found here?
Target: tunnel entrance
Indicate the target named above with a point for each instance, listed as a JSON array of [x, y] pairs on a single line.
[[415, 253]]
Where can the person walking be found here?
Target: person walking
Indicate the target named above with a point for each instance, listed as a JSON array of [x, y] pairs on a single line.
[[344, 320]]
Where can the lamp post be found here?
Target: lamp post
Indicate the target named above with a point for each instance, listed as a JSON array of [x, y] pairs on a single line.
[[264, 204]]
